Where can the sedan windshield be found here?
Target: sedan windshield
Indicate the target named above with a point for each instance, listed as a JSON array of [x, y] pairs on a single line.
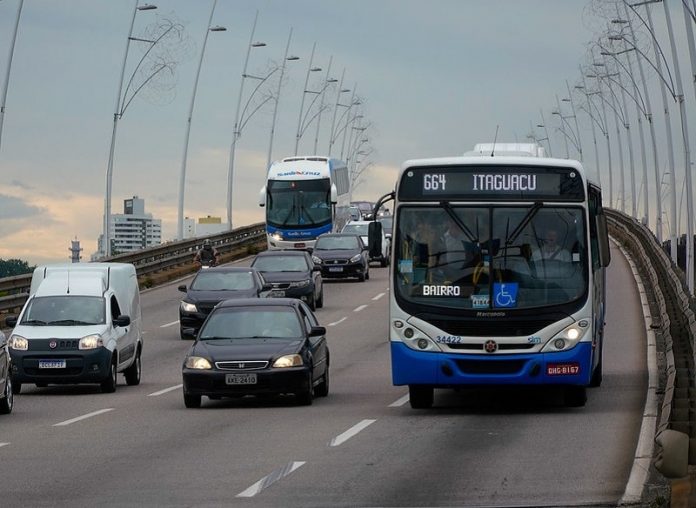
[[491, 256], [251, 323], [336, 242], [280, 264], [222, 281], [357, 229], [65, 310]]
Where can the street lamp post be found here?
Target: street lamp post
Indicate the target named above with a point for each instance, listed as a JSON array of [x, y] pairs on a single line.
[[593, 120], [543, 124], [335, 111], [118, 112], [237, 122], [182, 177], [9, 66], [286, 58], [298, 135], [575, 117]]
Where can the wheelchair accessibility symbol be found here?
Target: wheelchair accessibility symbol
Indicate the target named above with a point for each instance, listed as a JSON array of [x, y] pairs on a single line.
[[505, 294]]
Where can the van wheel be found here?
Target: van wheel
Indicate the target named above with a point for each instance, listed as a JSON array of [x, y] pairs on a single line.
[[7, 402], [109, 384], [132, 373], [192, 401]]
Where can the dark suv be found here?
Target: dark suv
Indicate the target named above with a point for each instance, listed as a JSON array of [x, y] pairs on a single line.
[[342, 255], [292, 274]]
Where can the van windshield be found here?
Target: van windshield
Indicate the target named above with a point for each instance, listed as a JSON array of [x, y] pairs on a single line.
[[65, 310]]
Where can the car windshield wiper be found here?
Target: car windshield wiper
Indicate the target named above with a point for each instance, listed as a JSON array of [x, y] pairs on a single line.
[[36, 322], [216, 338], [69, 322]]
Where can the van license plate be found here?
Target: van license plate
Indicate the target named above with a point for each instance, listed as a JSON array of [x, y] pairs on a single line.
[[240, 379], [51, 364]]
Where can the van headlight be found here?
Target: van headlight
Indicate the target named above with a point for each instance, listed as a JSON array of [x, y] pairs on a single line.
[[188, 307], [18, 343], [413, 337], [91, 342], [198, 363], [568, 337], [288, 361]]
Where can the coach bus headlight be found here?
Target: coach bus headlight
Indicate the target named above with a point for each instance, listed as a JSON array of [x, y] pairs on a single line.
[[276, 237], [568, 338]]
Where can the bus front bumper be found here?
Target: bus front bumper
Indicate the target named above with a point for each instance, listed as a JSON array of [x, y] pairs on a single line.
[[410, 367]]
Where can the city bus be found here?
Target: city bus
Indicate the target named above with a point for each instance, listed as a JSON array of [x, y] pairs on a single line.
[[498, 275], [304, 197]]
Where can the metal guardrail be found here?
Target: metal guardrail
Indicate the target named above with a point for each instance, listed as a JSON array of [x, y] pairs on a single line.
[[14, 291]]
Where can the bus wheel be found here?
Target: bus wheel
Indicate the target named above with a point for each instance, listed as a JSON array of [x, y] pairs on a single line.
[[421, 397], [575, 396]]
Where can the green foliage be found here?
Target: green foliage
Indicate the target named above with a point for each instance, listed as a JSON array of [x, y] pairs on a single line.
[[11, 267]]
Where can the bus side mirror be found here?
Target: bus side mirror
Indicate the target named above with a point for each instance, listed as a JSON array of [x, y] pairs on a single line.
[[603, 238], [334, 194], [262, 196], [374, 239]]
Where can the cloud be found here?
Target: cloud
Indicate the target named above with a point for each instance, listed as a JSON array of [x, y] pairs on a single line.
[[16, 208]]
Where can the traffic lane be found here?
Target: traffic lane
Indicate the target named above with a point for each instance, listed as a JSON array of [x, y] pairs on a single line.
[[498, 447]]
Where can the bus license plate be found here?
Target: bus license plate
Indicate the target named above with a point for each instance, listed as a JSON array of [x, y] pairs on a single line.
[[240, 379], [335, 268], [51, 364], [562, 369]]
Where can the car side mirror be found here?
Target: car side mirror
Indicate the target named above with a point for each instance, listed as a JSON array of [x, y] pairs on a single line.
[[317, 331], [182, 288], [122, 321], [11, 321]]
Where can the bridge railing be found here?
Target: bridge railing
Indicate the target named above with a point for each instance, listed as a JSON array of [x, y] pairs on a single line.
[[14, 291]]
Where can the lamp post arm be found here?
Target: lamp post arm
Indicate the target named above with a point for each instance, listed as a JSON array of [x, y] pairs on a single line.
[[157, 71], [242, 120], [259, 106], [594, 119], [304, 124]]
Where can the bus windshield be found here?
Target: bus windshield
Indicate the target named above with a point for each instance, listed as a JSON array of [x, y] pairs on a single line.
[[303, 203], [494, 256]]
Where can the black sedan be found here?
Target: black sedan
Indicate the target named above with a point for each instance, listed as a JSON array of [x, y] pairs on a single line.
[[258, 347], [293, 274], [6, 393], [342, 255], [210, 287]]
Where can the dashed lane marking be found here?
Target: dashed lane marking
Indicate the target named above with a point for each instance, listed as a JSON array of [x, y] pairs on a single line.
[[170, 324], [358, 309], [379, 296], [269, 480], [398, 403], [83, 417], [166, 390], [342, 438], [337, 322]]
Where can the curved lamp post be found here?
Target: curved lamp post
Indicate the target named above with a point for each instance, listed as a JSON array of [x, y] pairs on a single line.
[[9, 66], [182, 177]]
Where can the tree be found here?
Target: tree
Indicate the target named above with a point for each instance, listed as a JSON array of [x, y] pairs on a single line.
[[11, 267]]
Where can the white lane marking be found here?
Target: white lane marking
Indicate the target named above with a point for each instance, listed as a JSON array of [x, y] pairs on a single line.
[[358, 309], [398, 403], [342, 438], [170, 324], [267, 481], [166, 390], [379, 296], [337, 322], [3, 444], [83, 417]]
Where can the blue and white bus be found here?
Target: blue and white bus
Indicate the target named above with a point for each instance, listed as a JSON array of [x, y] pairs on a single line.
[[304, 197], [498, 275]]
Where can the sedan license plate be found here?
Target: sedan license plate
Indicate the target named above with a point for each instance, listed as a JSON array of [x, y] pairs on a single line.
[[51, 364], [335, 268], [240, 379], [277, 294]]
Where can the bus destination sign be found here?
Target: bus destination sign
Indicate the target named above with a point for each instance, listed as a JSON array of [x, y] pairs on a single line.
[[491, 183]]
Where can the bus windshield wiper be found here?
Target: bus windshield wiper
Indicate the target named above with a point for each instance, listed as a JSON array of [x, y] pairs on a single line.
[[448, 208], [290, 214], [523, 223]]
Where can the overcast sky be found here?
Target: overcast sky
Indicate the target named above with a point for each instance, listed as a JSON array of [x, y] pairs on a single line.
[[435, 78]]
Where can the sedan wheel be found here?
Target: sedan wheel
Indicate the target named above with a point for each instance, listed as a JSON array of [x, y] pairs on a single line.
[[192, 401], [306, 397], [7, 402], [322, 389]]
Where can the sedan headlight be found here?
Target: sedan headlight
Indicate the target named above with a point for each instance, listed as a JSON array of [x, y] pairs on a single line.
[[300, 284], [289, 361], [198, 363], [18, 343], [356, 258], [568, 337], [188, 307], [317, 260], [91, 342]]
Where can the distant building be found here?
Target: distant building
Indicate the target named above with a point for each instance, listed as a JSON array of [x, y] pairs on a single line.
[[205, 226], [133, 230], [75, 250]]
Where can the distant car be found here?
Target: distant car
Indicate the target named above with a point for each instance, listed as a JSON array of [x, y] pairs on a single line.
[[210, 287], [342, 255], [6, 393], [258, 346], [366, 208], [292, 274], [359, 227], [354, 212]]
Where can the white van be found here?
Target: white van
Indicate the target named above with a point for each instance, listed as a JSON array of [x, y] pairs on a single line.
[[81, 324]]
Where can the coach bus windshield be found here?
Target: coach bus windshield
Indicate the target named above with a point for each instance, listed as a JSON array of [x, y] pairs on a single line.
[[490, 257], [303, 203]]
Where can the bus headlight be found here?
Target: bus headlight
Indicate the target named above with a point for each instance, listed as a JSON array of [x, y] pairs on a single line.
[[413, 337], [567, 338], [276, 237]]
